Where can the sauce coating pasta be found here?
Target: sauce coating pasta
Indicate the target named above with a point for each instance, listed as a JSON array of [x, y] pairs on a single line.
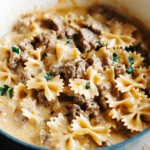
[[74, 79]]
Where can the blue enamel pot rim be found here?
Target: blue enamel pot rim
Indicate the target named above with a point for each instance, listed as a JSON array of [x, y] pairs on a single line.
[[119, 145]]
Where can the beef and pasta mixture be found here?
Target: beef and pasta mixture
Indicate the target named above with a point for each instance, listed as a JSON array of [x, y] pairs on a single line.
[[74, 79]]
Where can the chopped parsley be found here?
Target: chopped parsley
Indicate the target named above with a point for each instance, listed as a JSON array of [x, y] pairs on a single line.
[[11, 93], [15, 49], [54, 120], [149, 49], [130, 70], [43, 55], [69, 41], [130, 60], [52, 112], [138, 46], [7, 59], [92, 104], [48, 76], [99, 42], [130, 49], [115, 57], [87, 86], [4, 89]]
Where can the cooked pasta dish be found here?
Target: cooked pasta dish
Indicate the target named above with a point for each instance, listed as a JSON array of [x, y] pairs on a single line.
[[74, 79]]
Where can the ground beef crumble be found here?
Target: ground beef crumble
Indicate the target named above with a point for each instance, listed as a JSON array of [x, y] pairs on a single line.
[[23, 77], [14, 59], [71, 111]]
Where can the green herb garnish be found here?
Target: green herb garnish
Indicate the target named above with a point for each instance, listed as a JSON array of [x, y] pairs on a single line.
[[11, 93], [7, 59], [15, 49], [48, 76], [92, 104], [43, 55], [138, 46], [99, 42], [130, 49], [87, 86], [4, 90], [54, 120], [149, 49], [130, 60], [130, 70], [115, 57], [52, 112], [68, 42]]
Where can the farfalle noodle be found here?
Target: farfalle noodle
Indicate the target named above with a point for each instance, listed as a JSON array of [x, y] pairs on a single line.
[[99, 133], [125, 84], [118, 35], [51, 88], [137, 121], [6, 76]]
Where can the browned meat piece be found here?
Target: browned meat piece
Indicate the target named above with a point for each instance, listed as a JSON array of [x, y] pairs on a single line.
[[69, 71], [74, 70], [46, 38], [45, 137], [53, 23], [70, 32], [92, 109], [97, 9], [108, 60], [92, 24], [91, 59], [82, 40], [23, 77], [26, 45], [56, 69], [106, 143], [80, 69], [14, 59], [116, 93], [92, 112], [24, 56], [110, 22], [71, 111], [95, 45], [41, 96], [102, 102], [120, 126], [60, 34], [119, 69], [21, 120], [79, 99], [95, 63], [85, 34], [23, 25], [103, 88]]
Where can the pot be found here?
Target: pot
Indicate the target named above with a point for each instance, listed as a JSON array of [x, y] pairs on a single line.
[[137, 10]]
